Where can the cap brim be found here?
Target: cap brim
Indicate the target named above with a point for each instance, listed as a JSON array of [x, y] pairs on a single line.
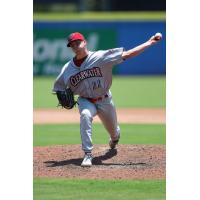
[[68, 45]]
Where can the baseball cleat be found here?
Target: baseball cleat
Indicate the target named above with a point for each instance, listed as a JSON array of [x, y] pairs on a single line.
[[113, 143], [87, 161]]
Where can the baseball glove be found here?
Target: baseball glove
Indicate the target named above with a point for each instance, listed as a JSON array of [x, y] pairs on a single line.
[[66, 99]]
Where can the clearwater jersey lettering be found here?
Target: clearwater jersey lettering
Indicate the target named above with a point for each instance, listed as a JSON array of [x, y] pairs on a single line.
[[88, 73]]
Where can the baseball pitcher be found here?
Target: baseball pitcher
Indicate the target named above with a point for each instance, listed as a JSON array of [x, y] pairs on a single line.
[[89, 75]]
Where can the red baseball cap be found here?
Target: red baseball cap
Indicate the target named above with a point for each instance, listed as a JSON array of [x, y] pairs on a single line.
[[75, 36]]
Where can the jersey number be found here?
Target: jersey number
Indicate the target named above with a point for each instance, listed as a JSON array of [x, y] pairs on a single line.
[[96, 84]]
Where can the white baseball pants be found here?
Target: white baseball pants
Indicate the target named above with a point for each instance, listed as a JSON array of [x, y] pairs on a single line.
[[105, 109]]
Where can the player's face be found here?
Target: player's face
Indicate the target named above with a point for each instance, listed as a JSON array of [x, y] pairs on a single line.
[[77, 46]]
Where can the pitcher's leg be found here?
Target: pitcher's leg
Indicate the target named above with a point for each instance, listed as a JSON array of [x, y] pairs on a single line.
[[87, 111], [108, 116]]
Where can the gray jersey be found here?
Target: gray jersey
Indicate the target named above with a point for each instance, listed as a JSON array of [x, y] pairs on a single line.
[[94, 77]]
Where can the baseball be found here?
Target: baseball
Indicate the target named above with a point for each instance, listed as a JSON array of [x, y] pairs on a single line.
[[158, 36]]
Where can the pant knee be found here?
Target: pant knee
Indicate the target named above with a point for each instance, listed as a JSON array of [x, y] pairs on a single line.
[[85, 114]]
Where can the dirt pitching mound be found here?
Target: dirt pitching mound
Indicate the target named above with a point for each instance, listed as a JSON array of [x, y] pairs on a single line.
[[125, 162]]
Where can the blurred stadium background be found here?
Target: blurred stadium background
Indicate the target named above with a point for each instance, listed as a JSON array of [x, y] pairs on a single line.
[[106, 24], [98, 5]]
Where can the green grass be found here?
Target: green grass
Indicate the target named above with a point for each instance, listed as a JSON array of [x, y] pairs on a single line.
[[63, 189], [95, 16], [42, 93], [144, 91], [134, 91], [69, 134]]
